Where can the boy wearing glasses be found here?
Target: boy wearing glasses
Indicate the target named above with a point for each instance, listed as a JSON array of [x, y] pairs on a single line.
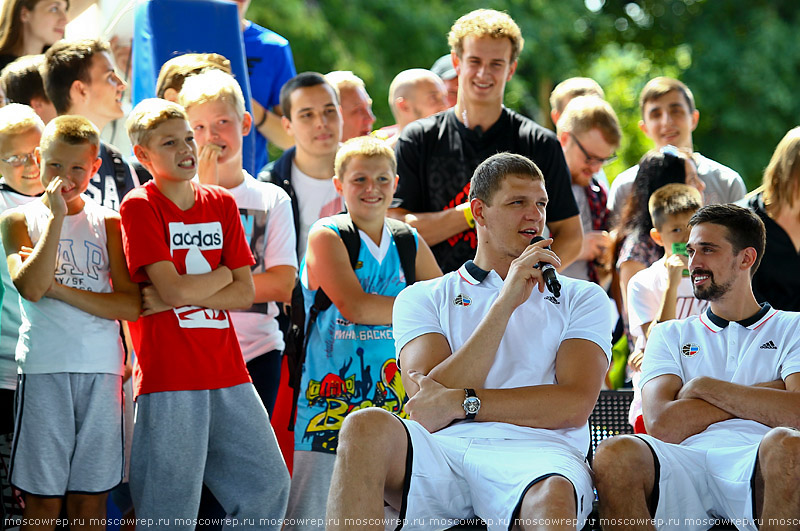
[[20, 132], [589, 133]]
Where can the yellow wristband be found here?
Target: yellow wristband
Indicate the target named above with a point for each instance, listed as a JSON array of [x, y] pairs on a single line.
[[468, 216]]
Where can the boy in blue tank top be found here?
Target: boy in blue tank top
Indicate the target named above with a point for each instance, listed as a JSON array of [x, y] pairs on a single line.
[[350, 362]]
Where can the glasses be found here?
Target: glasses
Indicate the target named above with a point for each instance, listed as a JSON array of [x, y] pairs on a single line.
[[20, 160], [591, 159]]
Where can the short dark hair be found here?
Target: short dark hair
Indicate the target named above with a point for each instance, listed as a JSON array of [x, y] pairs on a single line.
[[65, 62], [744, 227], [22, 80], [302, 80], [490, 173]]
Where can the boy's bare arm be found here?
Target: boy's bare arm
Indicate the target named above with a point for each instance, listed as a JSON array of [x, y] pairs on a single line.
[[329, 268], [275, 284], [34, 276], [178, 290], [238, 295], [425, 264], [675, 265], [124, 302]]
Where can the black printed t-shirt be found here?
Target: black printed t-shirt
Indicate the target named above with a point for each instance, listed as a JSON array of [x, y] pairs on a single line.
[[436, 157]]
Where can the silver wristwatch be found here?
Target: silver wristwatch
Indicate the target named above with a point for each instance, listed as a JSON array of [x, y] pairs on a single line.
[[472, 404]]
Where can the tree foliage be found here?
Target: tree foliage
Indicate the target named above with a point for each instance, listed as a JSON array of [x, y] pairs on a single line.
[[740, 60]]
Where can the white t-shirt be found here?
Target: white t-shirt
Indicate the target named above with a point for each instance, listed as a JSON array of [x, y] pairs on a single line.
[[723, 185], [266, 213], [759, 349], [55, 336], [645, 291], [316, 199], [11, 318], [454, 304]]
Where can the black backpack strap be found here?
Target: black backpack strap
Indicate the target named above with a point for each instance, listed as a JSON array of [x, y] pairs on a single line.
[[352, 242], [119, 166], [406, 248]]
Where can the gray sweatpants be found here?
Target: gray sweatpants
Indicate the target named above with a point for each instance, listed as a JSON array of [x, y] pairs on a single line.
[[221, 437]]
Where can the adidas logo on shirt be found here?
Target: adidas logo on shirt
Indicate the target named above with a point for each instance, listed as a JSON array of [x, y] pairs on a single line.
[[552, 299], [769, 345]]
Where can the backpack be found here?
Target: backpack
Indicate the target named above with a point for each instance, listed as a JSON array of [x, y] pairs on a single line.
[[299, 331]]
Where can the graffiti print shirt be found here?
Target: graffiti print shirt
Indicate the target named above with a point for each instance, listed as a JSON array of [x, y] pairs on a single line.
[[190, 347], [349, 366]]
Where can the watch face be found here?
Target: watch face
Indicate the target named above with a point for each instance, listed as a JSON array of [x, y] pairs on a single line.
[[472, 404]]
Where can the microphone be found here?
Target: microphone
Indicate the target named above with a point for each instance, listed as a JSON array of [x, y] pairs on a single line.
[[548, 272]]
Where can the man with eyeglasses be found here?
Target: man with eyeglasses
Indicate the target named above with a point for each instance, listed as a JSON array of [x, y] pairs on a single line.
[[589, 133]]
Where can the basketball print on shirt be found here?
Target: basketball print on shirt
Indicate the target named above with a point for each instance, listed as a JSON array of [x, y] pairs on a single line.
[[195, 238]]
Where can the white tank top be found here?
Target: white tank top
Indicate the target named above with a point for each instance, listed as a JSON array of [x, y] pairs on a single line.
[[55, 336]]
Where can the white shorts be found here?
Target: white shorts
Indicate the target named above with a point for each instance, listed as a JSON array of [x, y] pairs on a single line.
[[68, 434], [454, 478], [697, 486]]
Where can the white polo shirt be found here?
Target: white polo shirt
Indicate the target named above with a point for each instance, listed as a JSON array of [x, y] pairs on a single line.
[[454, 305], [759, 349]]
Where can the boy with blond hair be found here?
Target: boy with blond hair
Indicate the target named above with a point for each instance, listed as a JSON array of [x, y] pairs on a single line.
[[350, 362], [214, 104], [198, 416], [20, 132], [663, 291], [64, 255]]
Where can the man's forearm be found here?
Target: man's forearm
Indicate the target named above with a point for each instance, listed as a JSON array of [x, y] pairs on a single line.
[[469, 365], [769, 406], [434, 227], [682, 418]]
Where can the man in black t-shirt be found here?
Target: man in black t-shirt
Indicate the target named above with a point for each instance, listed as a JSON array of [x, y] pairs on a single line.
[[437, 155]]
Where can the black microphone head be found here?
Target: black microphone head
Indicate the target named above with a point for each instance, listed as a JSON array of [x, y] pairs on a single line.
[[535, 239]]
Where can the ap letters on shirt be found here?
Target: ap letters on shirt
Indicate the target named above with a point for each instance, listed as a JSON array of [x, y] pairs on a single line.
[[195, 238]]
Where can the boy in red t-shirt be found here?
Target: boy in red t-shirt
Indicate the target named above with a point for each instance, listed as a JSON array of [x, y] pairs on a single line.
[[198, 416]]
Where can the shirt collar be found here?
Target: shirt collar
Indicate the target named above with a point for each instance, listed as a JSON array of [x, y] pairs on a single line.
[[715, 323], [472, 273]]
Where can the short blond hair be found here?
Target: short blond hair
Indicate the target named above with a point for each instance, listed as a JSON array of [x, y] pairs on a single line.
[[363, 146], [585, 113], [174, 72], [70, 129], [486, 23], [212, 85], [572, 88], [16, 118], [149, 114]]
